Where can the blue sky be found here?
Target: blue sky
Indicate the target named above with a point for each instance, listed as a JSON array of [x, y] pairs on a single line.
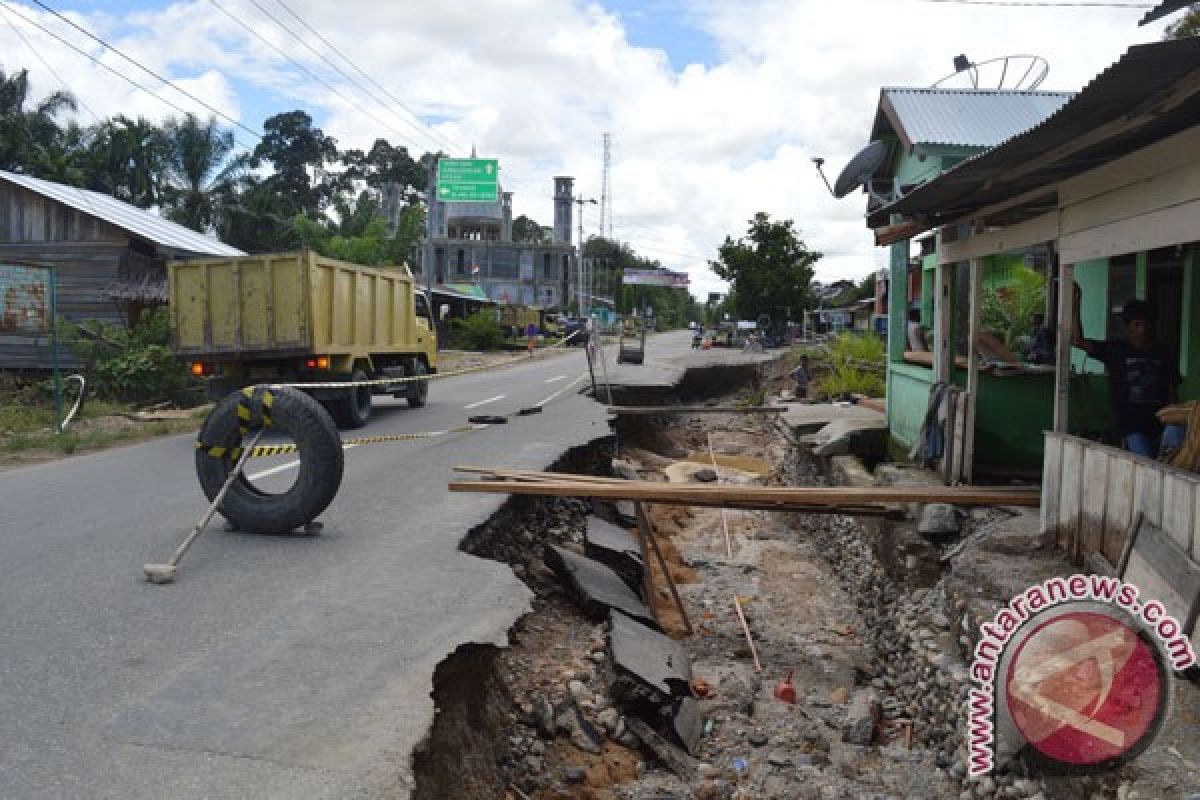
[[716, 107]]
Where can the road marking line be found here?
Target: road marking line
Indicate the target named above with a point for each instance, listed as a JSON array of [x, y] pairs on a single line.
[[485, 402], [556, 379], [273, 470]]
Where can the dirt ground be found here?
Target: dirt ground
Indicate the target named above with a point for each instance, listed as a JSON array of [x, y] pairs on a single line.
[[873, 648]]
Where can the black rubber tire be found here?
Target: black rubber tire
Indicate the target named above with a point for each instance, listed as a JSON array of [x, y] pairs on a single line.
[[352, 407], [419, 394], [319, 475]]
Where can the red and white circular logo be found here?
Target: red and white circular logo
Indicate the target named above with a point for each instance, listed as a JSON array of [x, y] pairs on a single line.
[[1087, 689]]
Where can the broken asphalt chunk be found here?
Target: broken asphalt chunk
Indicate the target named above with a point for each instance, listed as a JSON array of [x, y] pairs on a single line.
[[648, 665], [596, 587], [617, 549]]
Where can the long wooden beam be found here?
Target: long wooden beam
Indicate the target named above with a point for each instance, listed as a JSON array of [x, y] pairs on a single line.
[[766, 498], [648, 410]]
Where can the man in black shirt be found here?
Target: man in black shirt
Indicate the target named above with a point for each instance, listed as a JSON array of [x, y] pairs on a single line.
[[1142, 376]]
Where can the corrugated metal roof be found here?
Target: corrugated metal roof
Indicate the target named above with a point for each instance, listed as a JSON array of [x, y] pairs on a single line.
[[139, 222], [1165, 8], [968, 117], [1152, 88]]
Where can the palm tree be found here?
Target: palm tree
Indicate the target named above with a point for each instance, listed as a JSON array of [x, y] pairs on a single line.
[[24, 131], [200, 173], [128, 160]]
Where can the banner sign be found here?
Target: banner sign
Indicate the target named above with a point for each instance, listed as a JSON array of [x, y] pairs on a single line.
[[655, 277], [25, 299]]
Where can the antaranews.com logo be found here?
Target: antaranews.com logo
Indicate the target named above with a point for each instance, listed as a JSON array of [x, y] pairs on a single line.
[[1077, 668]]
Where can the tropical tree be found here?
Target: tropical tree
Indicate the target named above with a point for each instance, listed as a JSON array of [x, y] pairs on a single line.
[[300, 154], [1185, 26], [770, 270], [200, 174], [127, 158], [28, 135], [525, 229]]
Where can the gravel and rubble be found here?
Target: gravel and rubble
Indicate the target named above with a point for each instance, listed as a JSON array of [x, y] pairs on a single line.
[[863, 628]]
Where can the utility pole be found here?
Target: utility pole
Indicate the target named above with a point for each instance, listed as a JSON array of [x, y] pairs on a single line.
[[579, 200]]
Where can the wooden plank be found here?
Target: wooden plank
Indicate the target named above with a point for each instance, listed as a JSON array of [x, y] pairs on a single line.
[[1159, 158], [943, 311], [1147, 492], [973, 328], [1051, 483], [1179, 508], [1062, 367], [765, 497], [1163, 228], [1014, 237], [1151, 193], [1195, 535], [1118, 509], [1070, 498], [1095, 490], [658, 410]]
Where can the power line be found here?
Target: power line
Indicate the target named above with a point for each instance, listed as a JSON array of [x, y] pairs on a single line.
[[437, 135], [100, 63], [301, 67], [46, 64], [149, 71]]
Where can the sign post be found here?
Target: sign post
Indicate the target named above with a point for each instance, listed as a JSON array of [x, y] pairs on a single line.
[[468, 180]]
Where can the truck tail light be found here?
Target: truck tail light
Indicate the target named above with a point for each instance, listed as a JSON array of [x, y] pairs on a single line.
[[320, 362], [200, 369]]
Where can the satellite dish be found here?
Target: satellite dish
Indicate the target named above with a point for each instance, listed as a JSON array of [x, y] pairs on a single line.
[[1011, 73], [860, 169]]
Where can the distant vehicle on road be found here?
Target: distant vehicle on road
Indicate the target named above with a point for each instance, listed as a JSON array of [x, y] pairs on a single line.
[[573, 326]]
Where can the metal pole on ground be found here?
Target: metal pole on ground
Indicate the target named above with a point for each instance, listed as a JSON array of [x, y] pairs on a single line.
[[58, 415]]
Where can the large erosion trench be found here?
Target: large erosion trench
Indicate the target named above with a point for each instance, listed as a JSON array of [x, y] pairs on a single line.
[[826, 657]]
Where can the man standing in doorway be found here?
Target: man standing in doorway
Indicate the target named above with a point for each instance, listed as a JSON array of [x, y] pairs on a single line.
[[1143, 377]]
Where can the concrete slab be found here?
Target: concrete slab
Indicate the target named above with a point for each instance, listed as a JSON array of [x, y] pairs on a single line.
[[648, 659], [810, 418], [617, 549], [597, 588], [849, 435]]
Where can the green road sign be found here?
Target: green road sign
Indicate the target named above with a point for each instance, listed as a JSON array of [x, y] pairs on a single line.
[[467, 180]]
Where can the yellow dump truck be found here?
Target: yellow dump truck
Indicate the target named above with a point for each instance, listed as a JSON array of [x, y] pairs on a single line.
[[302, 318]]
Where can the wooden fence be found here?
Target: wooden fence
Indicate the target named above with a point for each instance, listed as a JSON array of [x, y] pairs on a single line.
[[1091, 493]]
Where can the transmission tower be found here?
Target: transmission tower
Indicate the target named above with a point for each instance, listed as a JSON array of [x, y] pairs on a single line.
[[606, 190]]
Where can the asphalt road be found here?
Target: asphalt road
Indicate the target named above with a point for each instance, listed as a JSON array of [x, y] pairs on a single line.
[[276, 666]]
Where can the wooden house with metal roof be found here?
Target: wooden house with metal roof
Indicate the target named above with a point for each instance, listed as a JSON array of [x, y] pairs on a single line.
[[107, 255]]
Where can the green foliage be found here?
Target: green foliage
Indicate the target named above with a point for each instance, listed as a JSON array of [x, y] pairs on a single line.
[[132, 365], [867, 348], [1185, 26], [1007, 312], [525, 229], [854, 365], [770, 270], [360, 236], [479, 331]]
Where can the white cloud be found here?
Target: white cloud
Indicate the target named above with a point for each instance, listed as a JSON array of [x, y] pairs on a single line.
[[536, 82]]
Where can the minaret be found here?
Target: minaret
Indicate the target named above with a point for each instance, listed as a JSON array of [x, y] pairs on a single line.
[[563, 191]]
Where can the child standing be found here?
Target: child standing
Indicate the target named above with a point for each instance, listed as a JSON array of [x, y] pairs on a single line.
[[800, 375]]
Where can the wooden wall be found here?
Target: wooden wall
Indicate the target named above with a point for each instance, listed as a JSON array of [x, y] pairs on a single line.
[[89, 256]]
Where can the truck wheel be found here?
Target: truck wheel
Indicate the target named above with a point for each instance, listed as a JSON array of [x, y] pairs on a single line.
[[353, 406], [320, 453], [419, 393]]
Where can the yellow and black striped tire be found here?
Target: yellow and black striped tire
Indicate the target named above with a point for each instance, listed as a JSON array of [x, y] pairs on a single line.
[[319, 451]]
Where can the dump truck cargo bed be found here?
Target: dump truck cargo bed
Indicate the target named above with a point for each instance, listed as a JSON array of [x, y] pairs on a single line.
[[291, 304]]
